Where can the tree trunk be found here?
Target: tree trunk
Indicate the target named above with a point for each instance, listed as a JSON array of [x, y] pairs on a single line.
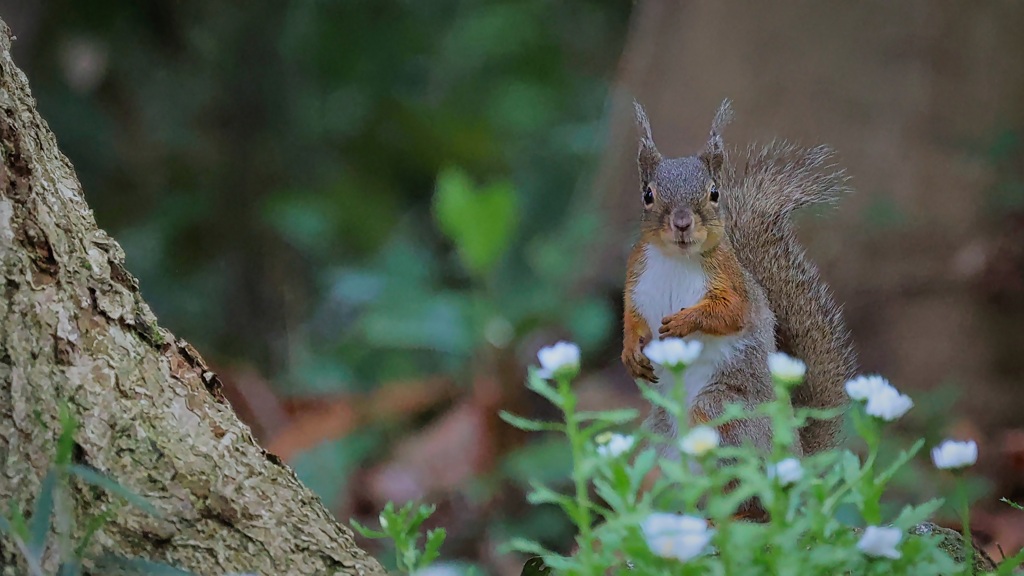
[[74, 330]]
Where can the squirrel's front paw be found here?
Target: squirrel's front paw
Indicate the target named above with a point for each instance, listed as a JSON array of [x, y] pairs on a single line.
[[679, 325], [636, 362]]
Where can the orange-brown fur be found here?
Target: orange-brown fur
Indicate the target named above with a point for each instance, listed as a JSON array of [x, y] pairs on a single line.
[[635, 332], [698, 417], [722, 309]]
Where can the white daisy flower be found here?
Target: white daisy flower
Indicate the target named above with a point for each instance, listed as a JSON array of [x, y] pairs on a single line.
[[788, 471], [863, 387], [888, 404], [786, 368], [953, 455], [700, 441], [677, 536], [673, 352], [881, 542], [561, 358], [611, 445]]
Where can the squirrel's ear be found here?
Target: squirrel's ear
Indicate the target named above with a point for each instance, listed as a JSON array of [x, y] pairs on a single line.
[[648, 158], [714, 152]]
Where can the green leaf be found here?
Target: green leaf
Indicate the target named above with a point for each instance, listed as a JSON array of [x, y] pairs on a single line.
[[618, 475], [541, 494], [364, 531], [914, 515], [66, 443], [528, 424], [623, 416], [527, 546], [1012, 504], [595, 429], [541, 386], [731, 413], [39, 525], [610, 495], [418, 516], [850, 466], [655, 397], [900, 461], [479, 221], [641, 466], [432, 547], [93, 477], [91, 527], [19, 528], [804, 414], [866, 426]]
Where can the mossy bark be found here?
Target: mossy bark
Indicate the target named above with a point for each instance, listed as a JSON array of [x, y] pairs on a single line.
[[73, 329], [953, 543]]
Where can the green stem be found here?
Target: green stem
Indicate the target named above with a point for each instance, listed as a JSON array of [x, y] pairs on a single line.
[[780, 418], [723, 536], [833, 500], [780, 504], [576, 441], [965, 518], [682, 420], [679, 396], [778, 520], [872, 510], [872, 498]]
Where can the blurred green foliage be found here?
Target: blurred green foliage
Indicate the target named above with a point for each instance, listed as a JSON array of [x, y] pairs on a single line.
[[402, 527], [342, 192], [269, 168], [479, 222]]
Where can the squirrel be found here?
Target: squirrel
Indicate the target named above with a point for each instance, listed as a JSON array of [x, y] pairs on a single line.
[[718, 261]]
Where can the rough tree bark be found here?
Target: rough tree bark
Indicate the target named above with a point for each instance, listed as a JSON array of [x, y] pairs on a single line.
[[74, 329]]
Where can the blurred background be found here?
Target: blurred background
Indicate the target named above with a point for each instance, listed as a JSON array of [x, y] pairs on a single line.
[[370, 215]]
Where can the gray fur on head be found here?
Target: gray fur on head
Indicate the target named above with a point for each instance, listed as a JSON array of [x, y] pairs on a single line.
[[648, 157]]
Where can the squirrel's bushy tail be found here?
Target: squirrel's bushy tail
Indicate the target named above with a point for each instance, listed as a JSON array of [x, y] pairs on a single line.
[[763, 187]]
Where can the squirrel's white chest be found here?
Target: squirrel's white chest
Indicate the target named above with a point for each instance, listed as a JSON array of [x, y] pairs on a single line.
[[667, 285]]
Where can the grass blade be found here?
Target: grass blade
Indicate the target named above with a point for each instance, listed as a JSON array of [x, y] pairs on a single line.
[[100, 481], [42, 512]]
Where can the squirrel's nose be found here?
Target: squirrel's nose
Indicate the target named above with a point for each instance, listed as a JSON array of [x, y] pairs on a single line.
[[682, 219]]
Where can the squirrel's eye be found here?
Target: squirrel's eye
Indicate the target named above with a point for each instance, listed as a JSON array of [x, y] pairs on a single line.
[[714, 192], [648, 196]]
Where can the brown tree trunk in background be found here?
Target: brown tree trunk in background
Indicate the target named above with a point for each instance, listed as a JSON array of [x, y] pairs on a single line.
[[74, 329], [911, 94]]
